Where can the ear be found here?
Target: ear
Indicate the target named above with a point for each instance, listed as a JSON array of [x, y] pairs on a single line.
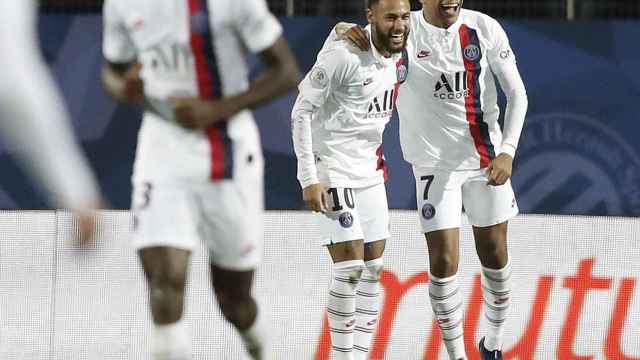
[[370, 16]]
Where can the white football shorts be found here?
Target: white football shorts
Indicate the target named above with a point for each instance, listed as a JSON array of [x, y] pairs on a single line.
[[355, 214], [441, 195], [227, 215]]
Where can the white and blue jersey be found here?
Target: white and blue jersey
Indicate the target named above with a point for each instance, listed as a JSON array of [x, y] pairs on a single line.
[[448, 105], [190, 48]]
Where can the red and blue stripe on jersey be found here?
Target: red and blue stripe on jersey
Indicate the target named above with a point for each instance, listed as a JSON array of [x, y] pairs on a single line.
[[473, 103], [209, 86], [402, 71]]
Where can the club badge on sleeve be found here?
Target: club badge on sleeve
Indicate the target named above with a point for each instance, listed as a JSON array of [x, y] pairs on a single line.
[[319, 78]]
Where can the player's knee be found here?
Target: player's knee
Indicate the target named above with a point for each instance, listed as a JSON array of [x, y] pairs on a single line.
[[373, 269], [167, 282], [444, 266], [238, 310], [348, 273], [492, 249]]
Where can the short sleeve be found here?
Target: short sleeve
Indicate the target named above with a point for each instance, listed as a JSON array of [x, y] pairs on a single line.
[[257, 26], [500, 54], [328, 73], [117, 45]]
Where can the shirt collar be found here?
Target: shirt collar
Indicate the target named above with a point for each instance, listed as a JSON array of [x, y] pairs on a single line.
[[451, 29], [384, 61]]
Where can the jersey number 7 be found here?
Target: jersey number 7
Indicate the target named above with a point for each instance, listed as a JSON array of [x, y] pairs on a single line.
[[429, 180]]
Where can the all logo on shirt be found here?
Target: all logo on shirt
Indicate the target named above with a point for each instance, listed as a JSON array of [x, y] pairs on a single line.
[[452, 86], [382, 105]]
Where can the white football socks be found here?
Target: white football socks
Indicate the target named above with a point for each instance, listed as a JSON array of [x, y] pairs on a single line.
[[446, 303], [341, 307], [496, 293], [170, 342], [367, 307]]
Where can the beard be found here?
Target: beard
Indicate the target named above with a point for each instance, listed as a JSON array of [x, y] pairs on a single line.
[[386, 40]]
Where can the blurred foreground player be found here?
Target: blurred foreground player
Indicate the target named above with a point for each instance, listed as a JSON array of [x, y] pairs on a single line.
[[198, 173], [338, 120], [449, 132], [33, 119]]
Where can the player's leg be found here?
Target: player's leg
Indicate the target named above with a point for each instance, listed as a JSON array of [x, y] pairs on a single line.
[[374, 219], [489, 208], [165, 269], [343, 237], [233, 293], [348, 266], [164, 235], [439, 201], [232, 228]]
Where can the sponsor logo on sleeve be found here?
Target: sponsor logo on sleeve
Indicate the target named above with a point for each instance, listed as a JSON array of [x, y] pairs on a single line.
[[319, 78], [505, 54]]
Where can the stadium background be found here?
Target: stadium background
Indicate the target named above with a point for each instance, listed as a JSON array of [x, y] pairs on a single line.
[[579, 155]]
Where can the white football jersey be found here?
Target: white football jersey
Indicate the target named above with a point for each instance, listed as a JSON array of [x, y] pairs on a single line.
[[192, 48], [355, 94], [448, 105]]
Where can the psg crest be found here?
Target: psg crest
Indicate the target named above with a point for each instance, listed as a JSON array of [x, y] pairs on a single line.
[[428, 211], [472, 53], [346, 219], [401, 73]]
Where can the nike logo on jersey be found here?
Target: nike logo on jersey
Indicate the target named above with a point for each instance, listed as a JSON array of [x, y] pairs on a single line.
[[367, 81], [423, 54]]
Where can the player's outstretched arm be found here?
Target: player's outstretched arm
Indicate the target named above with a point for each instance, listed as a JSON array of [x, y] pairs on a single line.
[[35, 121]]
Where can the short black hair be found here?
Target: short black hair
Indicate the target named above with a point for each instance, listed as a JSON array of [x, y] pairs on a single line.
[[371, 3], [415, 4]]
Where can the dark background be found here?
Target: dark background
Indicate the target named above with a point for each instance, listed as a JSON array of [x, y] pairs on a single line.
[[579, 152]]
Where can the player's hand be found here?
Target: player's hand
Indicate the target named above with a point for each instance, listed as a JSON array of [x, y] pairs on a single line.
[[87, 226], [315, 196], [194, 113], [354, 34], [133, 91], [499, 169]]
